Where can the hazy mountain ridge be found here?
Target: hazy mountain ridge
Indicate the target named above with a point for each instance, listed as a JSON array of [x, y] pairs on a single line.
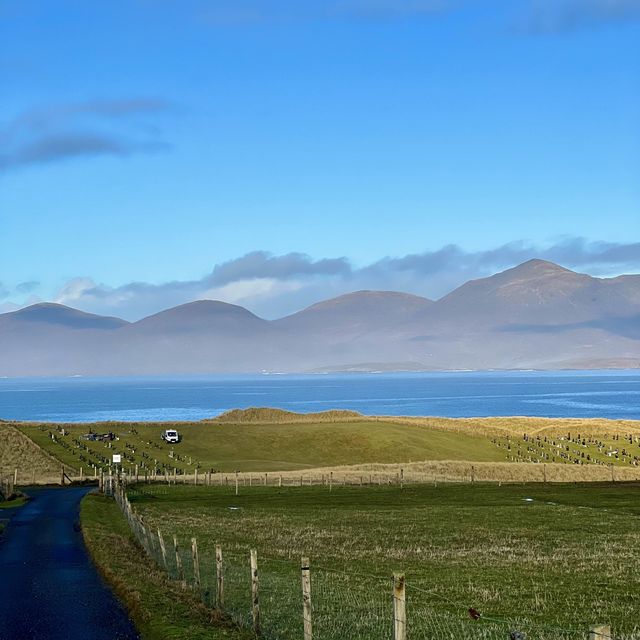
[[535, 315]]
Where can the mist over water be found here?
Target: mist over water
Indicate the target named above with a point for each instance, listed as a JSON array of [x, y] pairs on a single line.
[[609, 394]]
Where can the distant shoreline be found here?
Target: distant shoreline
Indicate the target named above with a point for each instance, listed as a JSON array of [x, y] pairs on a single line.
[[317, 372], [275, 416]]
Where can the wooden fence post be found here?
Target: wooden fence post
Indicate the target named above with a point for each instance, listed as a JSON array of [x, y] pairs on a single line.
[[255, 601], [600, 632], [399, 607], [331, 481], [236, 483], [265, 479], [306, 600], [219, 578], [15, 478], [195, 477], [179, 567], [163, 549], [196, 563], [401, 478]]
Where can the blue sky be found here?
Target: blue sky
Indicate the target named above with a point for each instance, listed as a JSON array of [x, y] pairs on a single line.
[[306, 149]]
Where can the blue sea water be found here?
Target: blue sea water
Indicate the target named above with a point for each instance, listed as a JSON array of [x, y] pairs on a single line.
[[609, 394]]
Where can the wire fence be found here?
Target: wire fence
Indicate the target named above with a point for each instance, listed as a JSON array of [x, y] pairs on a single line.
[[7, 486], [280, 600]]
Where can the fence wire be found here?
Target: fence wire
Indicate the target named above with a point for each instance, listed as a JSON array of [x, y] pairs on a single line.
[[344, 605]]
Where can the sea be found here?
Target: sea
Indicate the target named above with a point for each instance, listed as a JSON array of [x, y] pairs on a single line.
[[583, 394]]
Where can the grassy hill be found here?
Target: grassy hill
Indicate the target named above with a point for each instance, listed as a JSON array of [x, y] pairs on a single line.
[[267, 440], [258, 446]]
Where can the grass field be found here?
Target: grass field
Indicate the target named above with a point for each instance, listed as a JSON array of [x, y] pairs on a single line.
[[264, 440], [262, 447], [545, 560], [160, 609]]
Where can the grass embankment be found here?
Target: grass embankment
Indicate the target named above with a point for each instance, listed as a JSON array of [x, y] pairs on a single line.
[[160, 609], [561, 556], [19, 451]]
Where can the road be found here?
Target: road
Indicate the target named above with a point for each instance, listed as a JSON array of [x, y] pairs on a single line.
[[49, 588]]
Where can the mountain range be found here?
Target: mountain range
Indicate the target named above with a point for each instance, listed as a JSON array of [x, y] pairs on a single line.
[[537, 315]]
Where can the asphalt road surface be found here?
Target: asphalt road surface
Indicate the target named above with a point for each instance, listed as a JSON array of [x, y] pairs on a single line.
[[49, 589]]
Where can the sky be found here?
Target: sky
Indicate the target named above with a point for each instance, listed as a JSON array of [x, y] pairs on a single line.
[[273, 153]]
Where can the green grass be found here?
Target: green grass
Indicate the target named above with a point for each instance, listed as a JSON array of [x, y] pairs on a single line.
[[12, 504], [264, 447], [561, 556], [267, 440], [160, 609]]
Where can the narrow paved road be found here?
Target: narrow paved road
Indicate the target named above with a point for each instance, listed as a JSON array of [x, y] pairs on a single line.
[[49, 589]]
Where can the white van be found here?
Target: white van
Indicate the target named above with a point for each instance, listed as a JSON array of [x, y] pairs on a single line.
[[171, 436]]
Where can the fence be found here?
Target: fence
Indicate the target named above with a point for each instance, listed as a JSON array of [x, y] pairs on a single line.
[[7, 486], [432, 472], [280, 600]]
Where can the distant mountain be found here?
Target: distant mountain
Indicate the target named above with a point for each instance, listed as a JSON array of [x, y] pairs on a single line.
[[355, 314], [49, 313], [541, 292], [52, 339], [536, 315], [202, 316]]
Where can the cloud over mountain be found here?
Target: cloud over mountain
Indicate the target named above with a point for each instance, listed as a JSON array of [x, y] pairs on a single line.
[[261, 264], [276, 285], [535, 315]]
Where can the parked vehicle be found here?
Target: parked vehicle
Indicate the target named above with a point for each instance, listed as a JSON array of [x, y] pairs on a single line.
[[171, 436]]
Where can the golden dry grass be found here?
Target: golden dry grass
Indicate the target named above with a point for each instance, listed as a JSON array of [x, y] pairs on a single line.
[[428, 471], [519, 425], [267, 415], [490, 426], [17, 451]]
